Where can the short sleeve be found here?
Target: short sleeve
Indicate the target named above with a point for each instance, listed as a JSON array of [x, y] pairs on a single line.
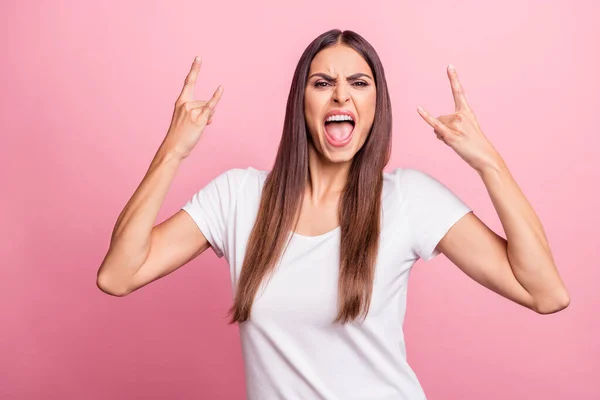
[[211, 206], [432, 210]]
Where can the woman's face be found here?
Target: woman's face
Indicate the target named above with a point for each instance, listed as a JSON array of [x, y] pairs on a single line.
[[339, 79]]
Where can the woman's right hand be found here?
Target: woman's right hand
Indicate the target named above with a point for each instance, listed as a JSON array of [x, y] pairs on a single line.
[[190, 117]]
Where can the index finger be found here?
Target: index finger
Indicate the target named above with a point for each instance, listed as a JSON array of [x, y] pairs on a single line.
[[190, 81], [460, 100]]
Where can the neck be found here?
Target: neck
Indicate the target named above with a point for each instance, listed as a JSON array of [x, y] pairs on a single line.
[[326, 179]]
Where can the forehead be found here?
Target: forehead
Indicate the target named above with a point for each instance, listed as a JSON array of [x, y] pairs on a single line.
[[339, 59]]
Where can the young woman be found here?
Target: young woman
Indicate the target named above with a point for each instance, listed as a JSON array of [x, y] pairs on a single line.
[[320, 248]]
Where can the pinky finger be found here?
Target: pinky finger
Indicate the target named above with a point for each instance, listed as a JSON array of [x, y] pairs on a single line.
[[212, 103], [433, 122], [202, 115], [210, 115], [211, 112]]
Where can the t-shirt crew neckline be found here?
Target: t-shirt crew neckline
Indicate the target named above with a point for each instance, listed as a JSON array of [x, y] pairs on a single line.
[[322, 236]]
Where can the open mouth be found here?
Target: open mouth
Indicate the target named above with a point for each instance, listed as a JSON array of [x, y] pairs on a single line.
[[339, 133]]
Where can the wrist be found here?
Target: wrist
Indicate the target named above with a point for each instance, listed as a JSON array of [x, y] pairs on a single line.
[[168, 156], [495, 165]]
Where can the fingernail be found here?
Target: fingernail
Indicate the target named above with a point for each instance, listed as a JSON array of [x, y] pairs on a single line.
[[198, 59], [451, 67]]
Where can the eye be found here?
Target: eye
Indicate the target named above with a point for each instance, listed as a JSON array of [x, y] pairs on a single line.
[[358, 83]]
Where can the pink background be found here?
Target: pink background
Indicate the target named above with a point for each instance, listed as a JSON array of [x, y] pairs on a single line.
[[87, 96]]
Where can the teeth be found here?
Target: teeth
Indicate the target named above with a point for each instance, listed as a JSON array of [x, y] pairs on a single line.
[[339, 118]]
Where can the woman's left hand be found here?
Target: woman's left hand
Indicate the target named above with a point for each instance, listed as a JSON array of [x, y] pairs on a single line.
[[461, 131]]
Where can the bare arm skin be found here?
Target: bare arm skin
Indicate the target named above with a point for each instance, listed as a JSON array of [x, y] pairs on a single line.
[[140, 252]]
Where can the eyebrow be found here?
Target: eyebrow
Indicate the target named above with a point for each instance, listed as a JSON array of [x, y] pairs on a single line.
[[332, 79]]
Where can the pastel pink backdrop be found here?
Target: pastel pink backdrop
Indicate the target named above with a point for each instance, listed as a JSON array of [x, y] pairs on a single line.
[[87, 97]]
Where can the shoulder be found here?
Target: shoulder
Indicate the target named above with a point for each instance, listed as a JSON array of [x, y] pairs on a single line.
[[407, 176], [419, 188], [409, 180], [239, 177], [231, 184]]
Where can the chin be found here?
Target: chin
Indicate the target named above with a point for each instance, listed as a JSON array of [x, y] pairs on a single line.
[[338, 154], [339, 158]]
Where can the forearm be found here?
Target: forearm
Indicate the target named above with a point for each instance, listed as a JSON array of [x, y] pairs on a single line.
[[527, 246], [131, 236]]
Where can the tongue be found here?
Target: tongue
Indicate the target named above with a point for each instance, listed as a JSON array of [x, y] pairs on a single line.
[[339, 130]]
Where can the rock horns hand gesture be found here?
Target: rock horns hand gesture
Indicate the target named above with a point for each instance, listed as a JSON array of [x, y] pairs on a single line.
[[190, 117], [461, 131]]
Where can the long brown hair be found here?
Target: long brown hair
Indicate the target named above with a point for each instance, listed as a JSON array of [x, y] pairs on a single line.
[[360, 202]]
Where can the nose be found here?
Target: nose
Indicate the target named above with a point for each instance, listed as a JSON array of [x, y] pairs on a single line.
[[340, 94]]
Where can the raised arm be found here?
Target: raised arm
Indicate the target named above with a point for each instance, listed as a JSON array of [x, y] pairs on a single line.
[[140, 252]]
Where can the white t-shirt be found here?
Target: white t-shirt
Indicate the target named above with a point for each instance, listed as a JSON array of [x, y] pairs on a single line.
[[291, 348]]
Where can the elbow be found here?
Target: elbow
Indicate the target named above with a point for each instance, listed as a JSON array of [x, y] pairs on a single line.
[[554, 305], [106, 285]]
